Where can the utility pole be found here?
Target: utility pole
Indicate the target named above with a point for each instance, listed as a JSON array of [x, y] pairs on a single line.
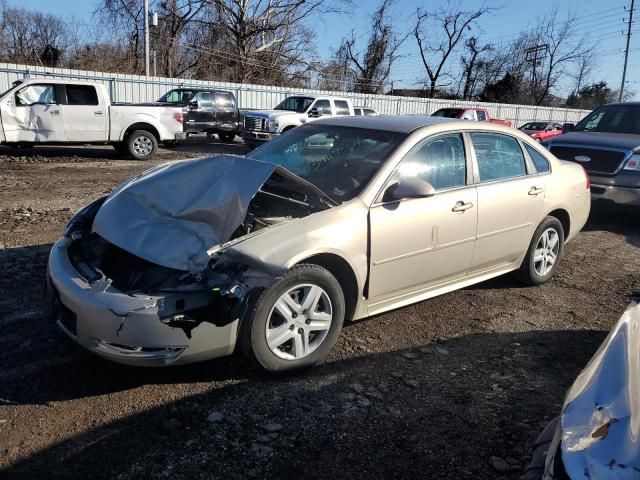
[[146, 37], [626, 52]]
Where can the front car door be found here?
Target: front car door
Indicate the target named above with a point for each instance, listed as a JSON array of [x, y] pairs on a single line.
[[33, 114], [420, 243], [510, 200], [226, 111], [86, 115]]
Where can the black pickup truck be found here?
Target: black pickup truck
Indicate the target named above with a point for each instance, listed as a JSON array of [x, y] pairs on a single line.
[[207, 110], [607, 143]]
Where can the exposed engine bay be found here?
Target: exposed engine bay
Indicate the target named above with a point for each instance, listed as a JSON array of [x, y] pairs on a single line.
[[213, 294]]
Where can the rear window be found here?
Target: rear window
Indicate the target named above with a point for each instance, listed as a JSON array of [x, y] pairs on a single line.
[[225, 100], [81, 95], [541, 163], [448, 113], [342, 107]]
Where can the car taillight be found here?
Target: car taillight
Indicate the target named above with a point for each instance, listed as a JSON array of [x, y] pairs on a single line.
[[178, 117], [586, 176]]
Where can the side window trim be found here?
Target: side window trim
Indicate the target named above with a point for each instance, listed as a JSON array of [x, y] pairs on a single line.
[[475, 158], [469, 168]]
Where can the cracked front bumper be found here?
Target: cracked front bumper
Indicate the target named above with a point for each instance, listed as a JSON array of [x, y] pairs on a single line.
[[126, 328]]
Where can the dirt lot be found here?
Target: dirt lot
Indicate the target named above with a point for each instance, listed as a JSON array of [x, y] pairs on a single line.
[[435, 390]]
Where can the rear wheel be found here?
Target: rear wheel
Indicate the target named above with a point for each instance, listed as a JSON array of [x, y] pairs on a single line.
[[543, 256], [294, 323], [141, 144], [226, 137]]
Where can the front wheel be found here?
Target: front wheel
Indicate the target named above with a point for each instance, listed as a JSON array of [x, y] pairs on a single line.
[[545, 251], [141, 145], [294, 323]]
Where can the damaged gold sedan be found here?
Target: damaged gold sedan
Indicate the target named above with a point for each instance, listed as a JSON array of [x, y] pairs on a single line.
[[336, 220]]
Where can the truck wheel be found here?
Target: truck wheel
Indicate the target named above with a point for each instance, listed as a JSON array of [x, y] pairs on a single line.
[[294, 323], [141, 144], [545, 251], [226, 137]]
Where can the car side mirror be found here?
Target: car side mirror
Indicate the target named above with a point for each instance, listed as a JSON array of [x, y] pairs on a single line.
[[195, 105], [314, 113], [410, 188], [567, 127]]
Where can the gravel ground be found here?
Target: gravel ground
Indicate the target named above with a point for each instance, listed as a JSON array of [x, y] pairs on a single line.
[[455, 387]]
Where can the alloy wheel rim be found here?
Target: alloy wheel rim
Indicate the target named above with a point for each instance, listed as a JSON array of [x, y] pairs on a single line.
[[299, 322], [142, 145], [546, 252]]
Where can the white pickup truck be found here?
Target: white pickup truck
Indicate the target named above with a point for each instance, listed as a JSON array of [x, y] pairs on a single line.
[[48, 111], [263, 125]]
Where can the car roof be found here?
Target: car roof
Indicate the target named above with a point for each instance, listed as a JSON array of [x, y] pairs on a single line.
[[619, 104], [391, 123]]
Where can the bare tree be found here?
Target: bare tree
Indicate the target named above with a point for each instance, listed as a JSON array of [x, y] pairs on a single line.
[[472, 64], [435, 49], [372, 67], [563, 49]]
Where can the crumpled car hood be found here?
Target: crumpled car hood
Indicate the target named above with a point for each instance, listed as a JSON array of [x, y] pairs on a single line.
[[601, 416], [172, 214]]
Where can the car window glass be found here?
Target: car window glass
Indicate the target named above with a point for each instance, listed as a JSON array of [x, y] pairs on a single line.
[[499, 156], [35, 94], [481, 116], [357, 111], [205, 99], [224, 100], [440, 161], [342, 107], [469, 115], [323, 106], [541, 163], [368, 112], [81, 95]]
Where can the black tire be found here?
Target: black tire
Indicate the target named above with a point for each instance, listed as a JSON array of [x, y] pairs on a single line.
[[253, 341], [136, 143], [226, 137], [211, 134], [251, 146], [527, 272]]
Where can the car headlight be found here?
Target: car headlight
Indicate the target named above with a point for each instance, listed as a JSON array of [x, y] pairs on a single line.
[[86, 213], [273, 125], [633, 163]]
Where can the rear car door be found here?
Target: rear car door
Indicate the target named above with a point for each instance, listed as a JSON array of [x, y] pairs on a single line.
[[33, 114], [226, 111], [422, 242], [86, 116], [342, 107], [510, 201]]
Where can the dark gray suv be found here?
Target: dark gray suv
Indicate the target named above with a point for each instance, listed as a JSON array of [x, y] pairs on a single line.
[[607, 143]]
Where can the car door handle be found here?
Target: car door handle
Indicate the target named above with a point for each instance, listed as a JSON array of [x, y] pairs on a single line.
[[98, 113], [461, 207], [535, 191], [54, 112]]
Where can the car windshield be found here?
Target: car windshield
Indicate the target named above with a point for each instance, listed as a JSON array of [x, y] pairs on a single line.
[[534, 126], [612, 119], [448, 113], [295, 104], [177, 96], [340, 161]]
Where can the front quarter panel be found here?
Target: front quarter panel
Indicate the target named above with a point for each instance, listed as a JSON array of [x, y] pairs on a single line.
[[340, 231]]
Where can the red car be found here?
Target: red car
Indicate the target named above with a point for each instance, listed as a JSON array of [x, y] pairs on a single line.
[[541, 131]]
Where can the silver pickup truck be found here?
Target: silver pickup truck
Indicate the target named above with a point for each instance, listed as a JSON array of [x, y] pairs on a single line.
[[49, 111]]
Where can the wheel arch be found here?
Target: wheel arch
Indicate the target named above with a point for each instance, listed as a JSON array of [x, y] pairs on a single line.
[[288, 127], [344, 273], [565, 219], [141, 126]]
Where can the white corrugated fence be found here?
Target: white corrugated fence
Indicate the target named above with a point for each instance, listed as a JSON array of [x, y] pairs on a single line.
[[136, 88]]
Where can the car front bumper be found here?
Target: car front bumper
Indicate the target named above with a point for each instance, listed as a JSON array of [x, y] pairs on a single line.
[[623, 196], [126, 328], [258, 137]]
